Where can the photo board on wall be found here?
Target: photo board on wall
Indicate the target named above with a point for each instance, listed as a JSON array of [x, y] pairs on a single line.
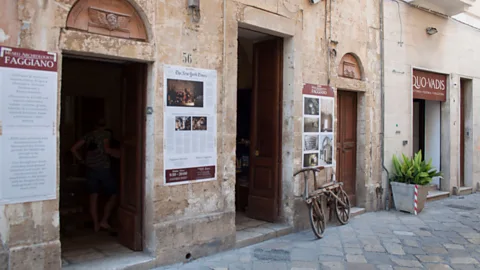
[[318, 147]]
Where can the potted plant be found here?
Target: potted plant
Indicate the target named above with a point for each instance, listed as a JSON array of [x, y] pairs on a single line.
[[408, 173]]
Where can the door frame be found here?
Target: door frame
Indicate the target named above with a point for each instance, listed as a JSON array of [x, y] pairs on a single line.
[[253, 128], [337, 136], [146, 70], [289, 96]]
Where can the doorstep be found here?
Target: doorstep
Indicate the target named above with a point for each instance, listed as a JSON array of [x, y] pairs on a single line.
[[261, 233], [356, 211], [461, 191], [137, 260], [437, 195]]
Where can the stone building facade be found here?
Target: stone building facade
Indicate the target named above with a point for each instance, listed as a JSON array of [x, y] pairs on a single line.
[[197, 219], [424, 42]]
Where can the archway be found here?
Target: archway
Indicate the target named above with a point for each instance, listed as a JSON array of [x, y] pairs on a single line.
[[109, 87], [115, 18], [350, 67]]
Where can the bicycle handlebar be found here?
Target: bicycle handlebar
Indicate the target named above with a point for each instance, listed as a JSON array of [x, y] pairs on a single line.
[[315, 169]]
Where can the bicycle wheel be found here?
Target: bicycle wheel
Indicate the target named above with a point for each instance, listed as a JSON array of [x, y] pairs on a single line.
[[342, 212], [317, 218]]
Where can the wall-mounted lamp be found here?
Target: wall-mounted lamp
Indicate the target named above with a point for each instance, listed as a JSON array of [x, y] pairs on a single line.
[[194, 6], [314, 1], [431, 30]]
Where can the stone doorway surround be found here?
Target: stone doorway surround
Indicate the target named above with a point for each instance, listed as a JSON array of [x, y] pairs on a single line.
[[113, 39], [271, 24]]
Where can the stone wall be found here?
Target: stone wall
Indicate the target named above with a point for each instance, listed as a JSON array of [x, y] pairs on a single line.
[[200, 218], [450, 51]]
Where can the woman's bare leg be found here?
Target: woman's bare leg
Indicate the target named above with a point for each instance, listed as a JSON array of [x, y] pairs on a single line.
[[93, 211], [108, 211]]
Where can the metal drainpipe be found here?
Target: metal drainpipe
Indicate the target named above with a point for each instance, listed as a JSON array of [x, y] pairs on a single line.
[[382, 91]]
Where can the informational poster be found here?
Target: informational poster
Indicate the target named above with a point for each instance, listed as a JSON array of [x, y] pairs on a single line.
[[318, 127], [28, 112], [190, 124]]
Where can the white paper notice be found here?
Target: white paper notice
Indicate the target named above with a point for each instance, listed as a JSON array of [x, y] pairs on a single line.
[[190, 125], [28, 111]]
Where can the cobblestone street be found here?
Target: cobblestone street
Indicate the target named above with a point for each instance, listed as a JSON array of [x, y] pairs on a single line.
[[446, 235]]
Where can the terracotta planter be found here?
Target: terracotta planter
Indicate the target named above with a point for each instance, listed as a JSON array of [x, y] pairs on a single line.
[[403, 197]]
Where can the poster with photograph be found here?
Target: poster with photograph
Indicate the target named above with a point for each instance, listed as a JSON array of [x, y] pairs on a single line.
[[318, 127], [190, 125], [28, 115]]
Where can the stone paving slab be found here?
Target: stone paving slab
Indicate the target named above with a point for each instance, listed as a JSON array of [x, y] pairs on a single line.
[[444, 236]]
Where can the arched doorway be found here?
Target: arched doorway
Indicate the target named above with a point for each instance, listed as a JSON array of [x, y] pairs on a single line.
[[102, 100], [347, 117]]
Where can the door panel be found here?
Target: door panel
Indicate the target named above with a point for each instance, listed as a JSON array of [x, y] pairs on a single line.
[[347, 141], [462, 133], [131, 180], [266, 131]]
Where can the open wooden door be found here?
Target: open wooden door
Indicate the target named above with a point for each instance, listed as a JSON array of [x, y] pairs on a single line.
[[462, 133], [347, 142], [265, 149], [130, 210]]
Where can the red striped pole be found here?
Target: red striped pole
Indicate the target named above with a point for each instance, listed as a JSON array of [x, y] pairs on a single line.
[[415, 201]]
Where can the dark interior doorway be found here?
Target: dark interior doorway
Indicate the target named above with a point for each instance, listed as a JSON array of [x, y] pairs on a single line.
[[114, 93], [259, 114], [419, 126], [427, 133]]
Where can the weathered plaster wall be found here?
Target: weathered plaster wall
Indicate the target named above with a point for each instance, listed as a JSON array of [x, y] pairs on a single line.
[[450, 51], [199, 218]]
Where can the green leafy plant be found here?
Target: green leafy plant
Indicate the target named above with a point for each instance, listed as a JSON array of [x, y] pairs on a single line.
[[414, 170]]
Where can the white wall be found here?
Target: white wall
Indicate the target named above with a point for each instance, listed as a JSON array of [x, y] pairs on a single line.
[[454, 51], [433, 135]]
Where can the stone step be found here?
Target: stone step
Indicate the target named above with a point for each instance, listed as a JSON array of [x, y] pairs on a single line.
[[437, 195], [356, 211], [462, 191], [262, 233]]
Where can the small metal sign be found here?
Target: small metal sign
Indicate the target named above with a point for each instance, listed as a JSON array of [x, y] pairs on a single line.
[[149, 110]]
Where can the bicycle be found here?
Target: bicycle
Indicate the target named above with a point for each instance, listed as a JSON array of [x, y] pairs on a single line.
[[333, 193]]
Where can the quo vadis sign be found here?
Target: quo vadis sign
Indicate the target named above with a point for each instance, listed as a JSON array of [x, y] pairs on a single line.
[[429, 86]]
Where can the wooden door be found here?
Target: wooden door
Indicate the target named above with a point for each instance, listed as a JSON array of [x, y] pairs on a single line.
[[462, 133], [130, 210], [347, 141], [265, 149]]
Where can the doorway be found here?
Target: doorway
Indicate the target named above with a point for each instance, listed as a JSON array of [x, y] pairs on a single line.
[[347, 142], [109, 96], [462, 131], [427, 133], [259, 114]]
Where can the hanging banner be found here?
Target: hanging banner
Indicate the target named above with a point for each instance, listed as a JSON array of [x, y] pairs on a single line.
[[190, 124], [429, 85], [317, 136], [28, 113]]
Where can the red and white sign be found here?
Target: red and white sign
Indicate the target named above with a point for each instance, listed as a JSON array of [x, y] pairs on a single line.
[[28, 59], [318, 90], [28, 113], [429, 85]]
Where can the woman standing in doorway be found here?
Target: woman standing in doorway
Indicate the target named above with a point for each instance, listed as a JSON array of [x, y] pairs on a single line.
[[99, 175]]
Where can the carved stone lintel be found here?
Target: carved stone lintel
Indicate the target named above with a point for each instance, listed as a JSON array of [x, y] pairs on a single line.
[[116, 18], [109, 20], [349, 67]]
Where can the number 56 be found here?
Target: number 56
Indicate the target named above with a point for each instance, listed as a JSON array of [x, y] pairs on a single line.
[[187, 58]]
